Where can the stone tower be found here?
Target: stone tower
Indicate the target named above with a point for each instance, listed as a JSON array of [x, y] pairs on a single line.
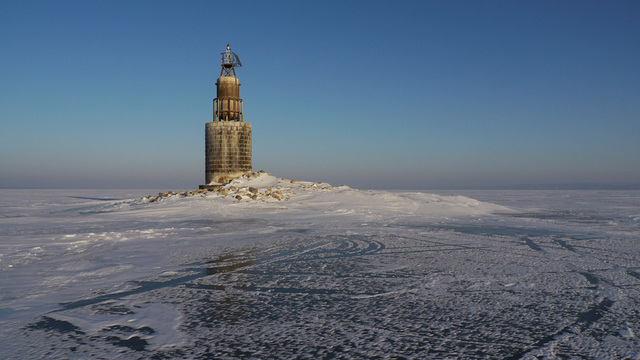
[[227, 137]]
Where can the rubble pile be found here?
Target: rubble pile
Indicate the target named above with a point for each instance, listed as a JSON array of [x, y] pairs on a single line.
[[256, 186]]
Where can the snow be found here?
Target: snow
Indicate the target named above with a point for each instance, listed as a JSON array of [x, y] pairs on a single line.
[[270, 267]]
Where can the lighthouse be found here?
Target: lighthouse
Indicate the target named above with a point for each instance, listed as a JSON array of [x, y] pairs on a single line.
[[227, 137]]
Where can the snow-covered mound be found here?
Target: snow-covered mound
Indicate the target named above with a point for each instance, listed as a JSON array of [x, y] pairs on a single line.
[[263, 191]]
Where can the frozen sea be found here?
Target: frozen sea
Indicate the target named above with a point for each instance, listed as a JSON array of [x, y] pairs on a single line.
[[327, 272]]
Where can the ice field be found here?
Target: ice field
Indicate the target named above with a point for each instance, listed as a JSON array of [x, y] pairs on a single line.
[[325, 272]]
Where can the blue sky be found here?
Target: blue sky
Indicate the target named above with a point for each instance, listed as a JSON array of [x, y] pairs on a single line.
[[372, 94]]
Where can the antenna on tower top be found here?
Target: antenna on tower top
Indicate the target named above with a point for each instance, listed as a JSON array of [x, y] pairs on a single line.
[[229, 62]]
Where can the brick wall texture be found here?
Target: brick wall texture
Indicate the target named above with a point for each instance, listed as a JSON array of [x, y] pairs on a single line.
[[227, 150]]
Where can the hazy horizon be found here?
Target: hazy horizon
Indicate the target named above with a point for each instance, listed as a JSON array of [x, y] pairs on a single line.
[[524, 187]]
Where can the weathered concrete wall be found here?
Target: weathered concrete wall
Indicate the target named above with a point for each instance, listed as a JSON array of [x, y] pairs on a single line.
[[227, 150]]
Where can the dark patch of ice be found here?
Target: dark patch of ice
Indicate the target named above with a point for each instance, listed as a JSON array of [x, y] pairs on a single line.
[[49, 323]]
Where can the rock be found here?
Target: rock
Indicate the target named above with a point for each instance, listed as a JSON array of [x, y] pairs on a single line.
[[253, 190], [238, 197], [254, 197], [234, 188], [294, 181]]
